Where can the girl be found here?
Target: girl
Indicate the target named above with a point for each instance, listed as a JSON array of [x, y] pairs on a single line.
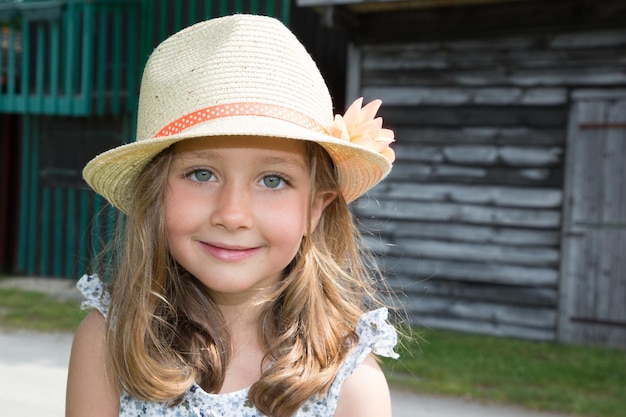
[[238, 288]]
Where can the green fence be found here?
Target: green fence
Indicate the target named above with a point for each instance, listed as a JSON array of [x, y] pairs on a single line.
[[71, 70], [61, 222], [69, 57], [82, 58]]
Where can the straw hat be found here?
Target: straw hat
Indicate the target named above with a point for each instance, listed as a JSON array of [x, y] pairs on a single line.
[[237, 75]]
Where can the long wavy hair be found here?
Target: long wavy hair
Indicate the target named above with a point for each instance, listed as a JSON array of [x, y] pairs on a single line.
[[165, 333]]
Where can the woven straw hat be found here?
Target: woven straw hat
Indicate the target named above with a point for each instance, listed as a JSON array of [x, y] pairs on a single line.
[[235, 75]]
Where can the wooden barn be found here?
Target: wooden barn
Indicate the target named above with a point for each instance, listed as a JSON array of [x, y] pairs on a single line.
[[505, 213]]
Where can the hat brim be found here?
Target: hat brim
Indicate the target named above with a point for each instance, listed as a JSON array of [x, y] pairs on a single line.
[[113, 172]]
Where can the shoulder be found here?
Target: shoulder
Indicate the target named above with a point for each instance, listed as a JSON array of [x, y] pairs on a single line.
[[365, 393], [89, 338], [89, 390]]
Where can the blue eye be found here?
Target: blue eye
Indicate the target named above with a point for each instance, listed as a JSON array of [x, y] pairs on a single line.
[[273, 181], [201, 175]]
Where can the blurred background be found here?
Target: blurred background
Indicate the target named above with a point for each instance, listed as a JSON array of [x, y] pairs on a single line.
[[505, 213]]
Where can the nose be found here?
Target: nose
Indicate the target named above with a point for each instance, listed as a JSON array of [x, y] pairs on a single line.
[[232, 208]]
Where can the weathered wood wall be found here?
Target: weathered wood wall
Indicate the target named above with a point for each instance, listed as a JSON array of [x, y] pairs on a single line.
[[470, 218]]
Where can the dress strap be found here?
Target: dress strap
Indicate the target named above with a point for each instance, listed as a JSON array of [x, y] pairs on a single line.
[[95, 293]]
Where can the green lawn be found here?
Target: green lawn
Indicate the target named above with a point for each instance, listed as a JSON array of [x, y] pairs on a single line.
[[38, 311], [585, 381]]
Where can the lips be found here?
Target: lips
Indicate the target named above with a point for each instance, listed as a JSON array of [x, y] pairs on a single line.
[[229, 253]]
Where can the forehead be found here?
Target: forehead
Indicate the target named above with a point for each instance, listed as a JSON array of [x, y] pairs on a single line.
[[279, 145]]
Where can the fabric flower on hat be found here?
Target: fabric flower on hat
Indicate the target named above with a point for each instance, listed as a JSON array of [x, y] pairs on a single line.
[[360, 126]]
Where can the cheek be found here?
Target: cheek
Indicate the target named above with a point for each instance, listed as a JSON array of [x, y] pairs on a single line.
[[179, 226], [171, 208], [178, 212], [291, 222]]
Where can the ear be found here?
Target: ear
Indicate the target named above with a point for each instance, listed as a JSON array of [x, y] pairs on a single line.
[[320, 202]]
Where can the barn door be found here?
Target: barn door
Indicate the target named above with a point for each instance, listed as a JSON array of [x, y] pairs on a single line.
[[593, 267]]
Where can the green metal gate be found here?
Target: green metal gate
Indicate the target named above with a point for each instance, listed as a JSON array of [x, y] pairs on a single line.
[[62, 223], [70, 71]]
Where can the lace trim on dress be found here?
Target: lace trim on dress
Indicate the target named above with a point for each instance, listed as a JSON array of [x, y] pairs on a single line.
[[95, 292]]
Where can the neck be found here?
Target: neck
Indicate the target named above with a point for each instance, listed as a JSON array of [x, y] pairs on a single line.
[[241, 318], [246, 363], [241, 311]]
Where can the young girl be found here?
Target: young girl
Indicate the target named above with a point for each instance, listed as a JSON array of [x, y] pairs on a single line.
[[239, 287]]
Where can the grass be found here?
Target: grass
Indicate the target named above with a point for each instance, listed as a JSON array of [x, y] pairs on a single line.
[[585, 381], [38, 311]]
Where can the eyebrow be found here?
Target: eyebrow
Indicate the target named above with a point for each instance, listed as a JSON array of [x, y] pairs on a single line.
[[201, 154], [269, 160], [277, 160]]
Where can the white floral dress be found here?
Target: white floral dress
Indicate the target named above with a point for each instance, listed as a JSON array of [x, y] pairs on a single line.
[[375, 336]]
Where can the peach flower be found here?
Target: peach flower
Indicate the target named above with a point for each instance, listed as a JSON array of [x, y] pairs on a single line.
[[360, 126]]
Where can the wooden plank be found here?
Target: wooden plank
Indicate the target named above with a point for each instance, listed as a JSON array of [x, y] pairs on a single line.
[[476, 116], [471, 311], [421, 270], [612, 286], [589, 40], [602, 94], [455, 96], [483, 327], [499, 196], [505, 155], [530, 156], [504, 294], [489, 53], [549, 78], [592, 192], [415, 152], [462, 232], [413, 136], [416, 171], [612, 183], [573, 254], [618, 268], [441, 212], [618, 263], [424, 172], [471, 252]]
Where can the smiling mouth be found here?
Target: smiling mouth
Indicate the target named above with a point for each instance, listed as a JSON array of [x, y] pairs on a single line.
[[227, 253]]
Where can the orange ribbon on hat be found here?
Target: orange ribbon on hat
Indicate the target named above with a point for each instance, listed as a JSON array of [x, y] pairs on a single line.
[[358, 125], [240, 109]]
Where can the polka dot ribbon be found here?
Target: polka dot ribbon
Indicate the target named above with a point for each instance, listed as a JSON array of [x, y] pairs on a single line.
[[240, 109]]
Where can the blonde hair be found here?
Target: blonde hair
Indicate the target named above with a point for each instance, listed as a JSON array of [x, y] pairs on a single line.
[[165, 333]]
